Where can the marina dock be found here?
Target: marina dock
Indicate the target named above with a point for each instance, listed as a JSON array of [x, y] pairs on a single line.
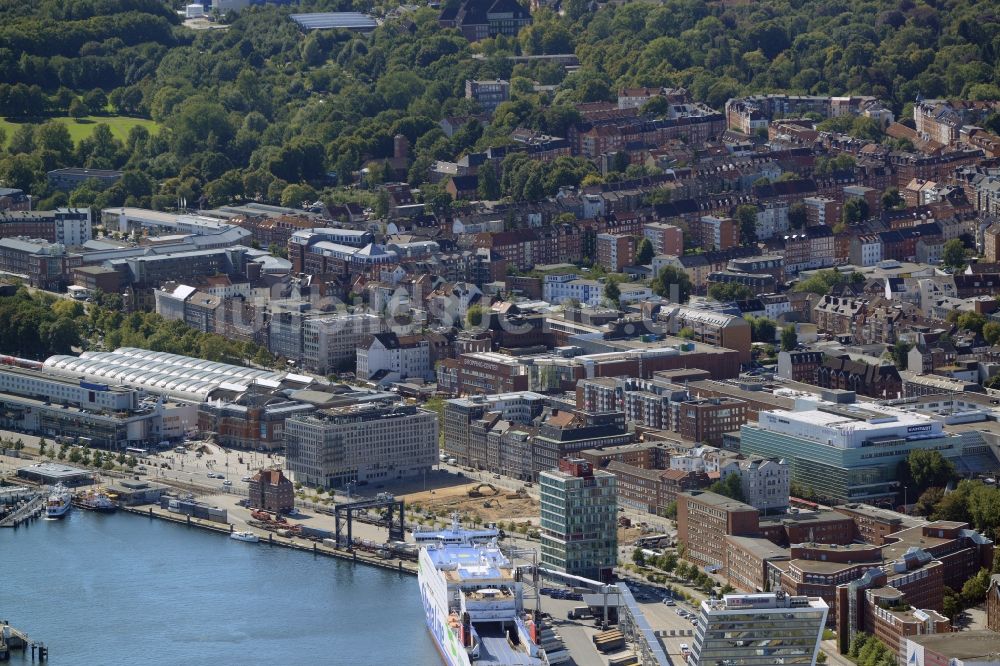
[[30, 510], [272, 539]]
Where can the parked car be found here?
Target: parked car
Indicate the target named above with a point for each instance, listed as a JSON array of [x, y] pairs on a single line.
[[668, 601], [227, 483]]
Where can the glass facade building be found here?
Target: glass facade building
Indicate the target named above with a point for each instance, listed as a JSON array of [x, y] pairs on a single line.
[[579, 520], [764, 629], [849, 455]]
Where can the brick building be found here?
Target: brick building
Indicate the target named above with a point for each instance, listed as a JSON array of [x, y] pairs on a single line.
[[271, 490], [703, 518]]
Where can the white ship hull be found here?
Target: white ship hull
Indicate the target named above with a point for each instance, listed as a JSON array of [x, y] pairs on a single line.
[[447, 642], [59, 502], [473, 605]]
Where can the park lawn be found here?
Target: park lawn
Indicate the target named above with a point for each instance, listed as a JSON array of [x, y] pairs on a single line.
[[80, 128]]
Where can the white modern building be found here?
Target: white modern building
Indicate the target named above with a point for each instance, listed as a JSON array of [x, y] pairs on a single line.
[[560, 288], [764, 629]]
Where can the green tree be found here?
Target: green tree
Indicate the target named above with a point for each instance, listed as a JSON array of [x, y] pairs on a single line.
[[762, 329], [953, 254], [797, 216], [42, 447], [731, 487], [951, 605], [971, 321], [789, 339], [891, 199], [687, 333], [612, 293], [730, 291], [974, 589], [991, 332], [670, 511], [899, 352], [77, 108], [927, 502], [489, 185], [474, 316], [644, 252], [929, 468], [746, 216], [382, 204], [672, 283], [855, 211], [638, 557]]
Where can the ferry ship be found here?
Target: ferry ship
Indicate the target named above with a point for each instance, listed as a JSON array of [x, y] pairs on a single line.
[[59, 502], [96, 500], [474, 604]]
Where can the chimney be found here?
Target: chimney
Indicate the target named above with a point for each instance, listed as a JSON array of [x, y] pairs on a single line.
[[400, 147]]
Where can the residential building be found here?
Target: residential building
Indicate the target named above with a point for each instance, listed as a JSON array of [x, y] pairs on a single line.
[[874, 381], [822, 211], [71, 178], [665, 238], [460, 413], [488, 94], [43, 264], [799, 366], [12, 199], [66, 226], [371, 442], [271, 490], [709, 327], [706, 420], [579, 520], [615, 251], [765, 483], [389, 357], [480, 19], [716, 233], [790, 628]]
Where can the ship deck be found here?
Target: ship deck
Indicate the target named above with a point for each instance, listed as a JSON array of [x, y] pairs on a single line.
[[494, 650]]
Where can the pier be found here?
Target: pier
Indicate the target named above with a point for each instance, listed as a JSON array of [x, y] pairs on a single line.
[[272, 539], [29, 511], [13, 639]]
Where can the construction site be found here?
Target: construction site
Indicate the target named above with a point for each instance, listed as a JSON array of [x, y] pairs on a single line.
[[483, 501]]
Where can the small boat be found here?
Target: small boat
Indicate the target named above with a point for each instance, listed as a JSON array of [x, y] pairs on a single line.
[[249, 537], [59, 502], [96, 500]]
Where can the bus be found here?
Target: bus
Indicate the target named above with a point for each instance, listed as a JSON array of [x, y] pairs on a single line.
[[135, 451], [653, 541]]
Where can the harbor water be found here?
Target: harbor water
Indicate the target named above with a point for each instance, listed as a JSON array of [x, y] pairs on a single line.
[[117, 590]]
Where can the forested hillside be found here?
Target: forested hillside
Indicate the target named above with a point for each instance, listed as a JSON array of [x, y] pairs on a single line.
[[262, 111]]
